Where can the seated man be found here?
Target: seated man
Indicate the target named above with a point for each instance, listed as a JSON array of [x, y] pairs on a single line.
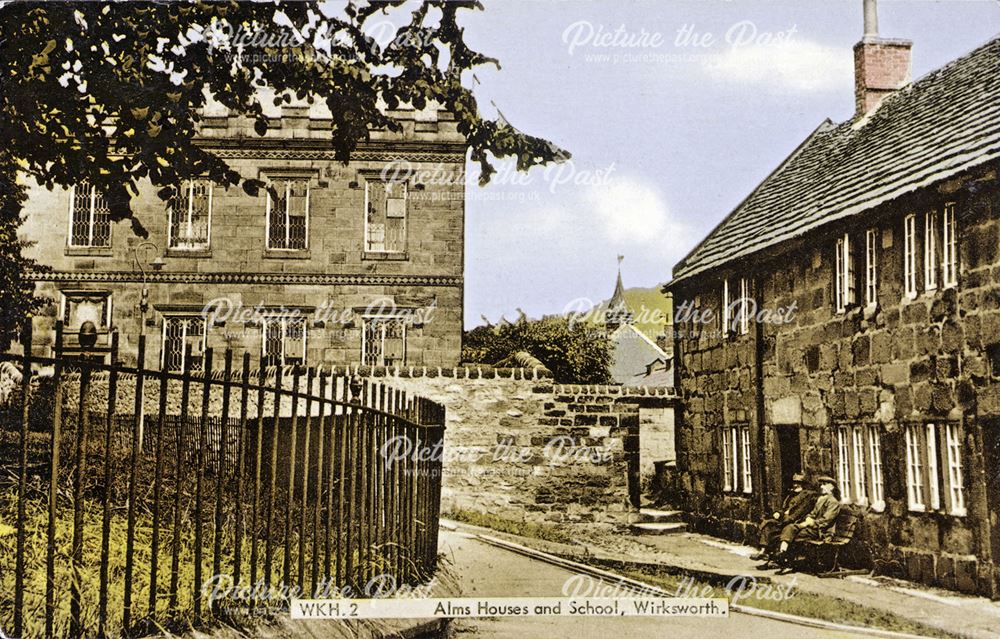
[[798, 503], [819, 524]]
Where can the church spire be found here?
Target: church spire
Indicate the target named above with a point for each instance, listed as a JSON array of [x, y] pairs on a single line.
[[618, 310]]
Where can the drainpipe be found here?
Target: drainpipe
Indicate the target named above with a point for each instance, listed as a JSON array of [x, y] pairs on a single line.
[[759, 413]]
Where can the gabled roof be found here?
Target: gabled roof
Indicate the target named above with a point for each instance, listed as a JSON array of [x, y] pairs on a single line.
[[632, 354], [937, 127], [649, 309]]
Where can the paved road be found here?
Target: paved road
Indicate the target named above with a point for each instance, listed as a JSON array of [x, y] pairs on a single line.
[[487, 571]]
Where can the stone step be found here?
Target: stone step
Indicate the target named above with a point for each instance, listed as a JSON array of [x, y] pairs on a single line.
[[658, 528], [658, 515]]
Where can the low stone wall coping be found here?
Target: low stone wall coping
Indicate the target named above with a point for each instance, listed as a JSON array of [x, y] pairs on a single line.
[[467, 371], [609, 389]]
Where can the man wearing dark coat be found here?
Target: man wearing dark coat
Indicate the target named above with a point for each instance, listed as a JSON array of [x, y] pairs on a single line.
[[820, 523], [798, 503]]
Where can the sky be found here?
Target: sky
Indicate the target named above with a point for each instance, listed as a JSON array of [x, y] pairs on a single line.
[[674, 110]]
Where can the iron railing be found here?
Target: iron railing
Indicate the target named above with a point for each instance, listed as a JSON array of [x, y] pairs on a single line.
[[272, 477]]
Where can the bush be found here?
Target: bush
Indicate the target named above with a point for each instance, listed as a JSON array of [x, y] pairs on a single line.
[[575, 353]]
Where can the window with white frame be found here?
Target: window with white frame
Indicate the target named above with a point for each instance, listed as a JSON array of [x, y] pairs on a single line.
[[90, 217], [871, 267], [288, 214], [383, 341], [190, 216], [859, 465], [385, 215], [843, 465], [729, 463], [737, 475], [934, 490], [956, 495], [910, 255], [745, 459], [859, 481], [744, 307], [949, 247], [726, 314], [930, 251], [180, 332], [283, 340], [875, 467], [914, 468], [844, 288], [929, 447]]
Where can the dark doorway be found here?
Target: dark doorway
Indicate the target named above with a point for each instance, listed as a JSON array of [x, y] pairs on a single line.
[[991, 454], [789, 455]]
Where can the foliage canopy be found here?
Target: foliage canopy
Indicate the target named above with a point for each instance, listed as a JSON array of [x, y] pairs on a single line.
[[574, 351], [112, 93]]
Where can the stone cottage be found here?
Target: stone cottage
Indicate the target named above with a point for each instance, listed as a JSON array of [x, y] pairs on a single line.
[[356, 264], [845, 319]]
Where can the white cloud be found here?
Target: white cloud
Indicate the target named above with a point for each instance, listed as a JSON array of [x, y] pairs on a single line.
[[796, 65], [541, 254], [629, 212], [620, 211], [624, 215]]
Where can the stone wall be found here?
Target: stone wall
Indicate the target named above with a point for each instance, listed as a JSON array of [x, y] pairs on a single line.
[[517, 444], [125, 396], [929, 359], [534, 450]]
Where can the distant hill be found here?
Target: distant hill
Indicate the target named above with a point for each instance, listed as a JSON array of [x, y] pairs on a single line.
[[643, 303]]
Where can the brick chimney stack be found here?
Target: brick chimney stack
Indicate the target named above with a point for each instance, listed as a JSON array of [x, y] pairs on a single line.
[[881, 65]]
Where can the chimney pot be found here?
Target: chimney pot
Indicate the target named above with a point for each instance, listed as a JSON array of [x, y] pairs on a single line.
[[871, 19], [881, 65]]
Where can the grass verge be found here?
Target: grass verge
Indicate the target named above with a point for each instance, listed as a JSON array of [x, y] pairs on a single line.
[[546, 532], [88, 576], [776, 599], [232, 611]]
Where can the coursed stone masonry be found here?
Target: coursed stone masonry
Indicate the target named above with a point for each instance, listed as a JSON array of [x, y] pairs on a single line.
[[934, 358], [333, 274]]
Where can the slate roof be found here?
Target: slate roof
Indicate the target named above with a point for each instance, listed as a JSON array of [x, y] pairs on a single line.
[[633, 352], [937, 127]]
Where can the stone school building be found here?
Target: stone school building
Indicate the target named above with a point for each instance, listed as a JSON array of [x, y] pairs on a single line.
[[357, 264], [882, 235]]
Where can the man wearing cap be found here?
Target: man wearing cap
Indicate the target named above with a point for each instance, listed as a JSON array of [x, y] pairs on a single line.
[[798, 503], [820, 523]]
